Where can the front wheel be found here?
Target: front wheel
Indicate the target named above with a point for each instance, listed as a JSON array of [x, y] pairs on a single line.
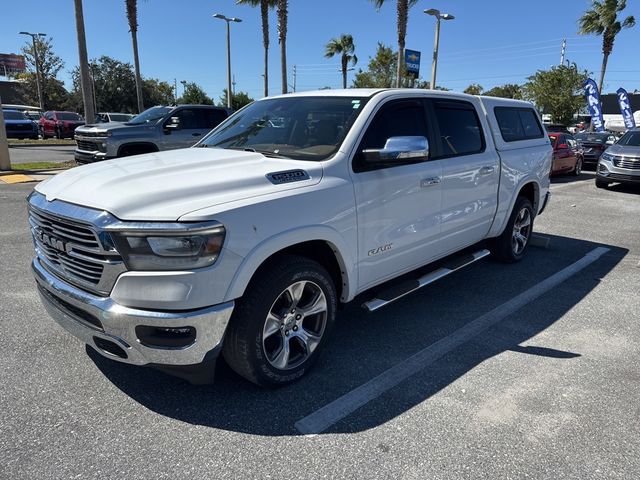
[[601, 183], [511, 245], [281, 324]]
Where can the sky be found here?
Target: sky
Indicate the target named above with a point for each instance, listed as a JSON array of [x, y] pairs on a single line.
[[490, 42]]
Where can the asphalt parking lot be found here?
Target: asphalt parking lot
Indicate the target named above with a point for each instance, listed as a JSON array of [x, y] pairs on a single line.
[[497, 371], [40, 153]]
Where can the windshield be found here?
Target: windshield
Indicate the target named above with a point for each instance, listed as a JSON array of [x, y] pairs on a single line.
[[592, 137], [630, 139], [70, 116], [301, 128], [119, 117], [151, 115], [14, 115]]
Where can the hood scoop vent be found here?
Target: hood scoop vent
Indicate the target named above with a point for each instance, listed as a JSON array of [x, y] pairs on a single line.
[[287, 176]]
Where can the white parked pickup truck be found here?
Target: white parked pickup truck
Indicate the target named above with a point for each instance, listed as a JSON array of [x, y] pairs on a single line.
[[246, 243]]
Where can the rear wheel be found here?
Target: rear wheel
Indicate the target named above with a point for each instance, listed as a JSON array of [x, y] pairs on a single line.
[[281, 324], [578, 168], [511, 246]]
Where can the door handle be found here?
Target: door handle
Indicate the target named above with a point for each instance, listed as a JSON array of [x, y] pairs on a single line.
[[486, 170], [428, 182]]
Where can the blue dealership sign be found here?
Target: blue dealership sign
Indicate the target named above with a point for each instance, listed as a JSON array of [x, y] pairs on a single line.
[[412, 61], [625, 109], [592, 96]]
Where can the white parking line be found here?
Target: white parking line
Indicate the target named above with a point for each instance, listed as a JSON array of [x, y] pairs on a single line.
[[335, 411]]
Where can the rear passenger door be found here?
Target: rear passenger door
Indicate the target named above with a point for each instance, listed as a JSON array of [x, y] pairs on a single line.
[[470, 173]]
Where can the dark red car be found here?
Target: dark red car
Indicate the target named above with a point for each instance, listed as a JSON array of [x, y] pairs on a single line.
[[567, 156], [59, 124]]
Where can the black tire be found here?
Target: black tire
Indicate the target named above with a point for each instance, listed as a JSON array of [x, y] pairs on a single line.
[[578, 168], [250, 352], [601, 183], [505, 248]]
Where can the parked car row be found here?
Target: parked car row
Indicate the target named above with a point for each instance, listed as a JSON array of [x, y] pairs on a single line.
[[18, 125]]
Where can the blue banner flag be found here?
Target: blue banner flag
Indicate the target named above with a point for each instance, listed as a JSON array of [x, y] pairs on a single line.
[[592, 96], [625, 109], [412, 61]]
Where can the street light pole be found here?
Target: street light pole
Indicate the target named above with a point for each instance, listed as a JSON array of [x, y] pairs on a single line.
[[436, 42], [228, 20], [37, 58]]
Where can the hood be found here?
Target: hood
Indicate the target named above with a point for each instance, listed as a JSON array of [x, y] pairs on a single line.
[[164, 186], [98, 129], [624, 150]]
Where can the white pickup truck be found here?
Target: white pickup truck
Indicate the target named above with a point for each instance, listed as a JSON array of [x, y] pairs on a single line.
[[246, 243]]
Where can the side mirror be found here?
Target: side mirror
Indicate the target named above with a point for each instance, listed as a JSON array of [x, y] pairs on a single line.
[[610, 142], [399, 150], [173, 124]]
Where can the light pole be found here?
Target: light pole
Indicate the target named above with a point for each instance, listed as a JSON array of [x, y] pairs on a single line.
[[35, 54], [439, 16], [228, 20]]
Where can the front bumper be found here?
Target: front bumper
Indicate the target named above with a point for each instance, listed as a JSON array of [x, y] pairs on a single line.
[[110, 328], [82, 156]]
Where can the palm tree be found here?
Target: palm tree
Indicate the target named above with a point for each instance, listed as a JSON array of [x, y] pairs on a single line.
[[602, 19], [132, 17], [344, 46], [403, 18], [281, 7], [85, 75], [264, 12]]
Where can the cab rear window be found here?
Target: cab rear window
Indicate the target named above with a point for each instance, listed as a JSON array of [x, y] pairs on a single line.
[[518, 123]]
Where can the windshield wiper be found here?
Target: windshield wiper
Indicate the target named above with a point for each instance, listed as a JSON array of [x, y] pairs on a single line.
[[266, 153]]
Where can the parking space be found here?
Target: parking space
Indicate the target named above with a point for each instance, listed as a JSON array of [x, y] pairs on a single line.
[[497, 371]]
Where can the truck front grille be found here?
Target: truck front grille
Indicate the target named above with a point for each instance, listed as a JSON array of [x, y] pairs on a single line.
[[87, 145], [73, 251], [627, 162]]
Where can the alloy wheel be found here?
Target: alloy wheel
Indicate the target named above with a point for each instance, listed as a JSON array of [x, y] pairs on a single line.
[[521, 231]]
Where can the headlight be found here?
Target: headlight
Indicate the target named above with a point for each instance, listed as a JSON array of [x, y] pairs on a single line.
[[167, 250], [607, 157]]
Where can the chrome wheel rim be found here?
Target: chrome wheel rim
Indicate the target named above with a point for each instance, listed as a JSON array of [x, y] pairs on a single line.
[[294, 325], [521, 231]]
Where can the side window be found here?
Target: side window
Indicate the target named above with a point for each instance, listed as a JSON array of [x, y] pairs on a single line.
[[397, 118], [212, 118], [188, 118], [571, 142], [459, 128], [518, 123]]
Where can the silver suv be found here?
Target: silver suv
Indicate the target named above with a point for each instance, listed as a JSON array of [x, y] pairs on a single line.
[[620, 162], [155, 129]]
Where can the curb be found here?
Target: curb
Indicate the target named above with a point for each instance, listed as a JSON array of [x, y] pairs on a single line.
[[48, 171]]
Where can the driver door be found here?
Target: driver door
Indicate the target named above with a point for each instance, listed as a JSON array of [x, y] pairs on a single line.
[[192, 124], [398, 204]]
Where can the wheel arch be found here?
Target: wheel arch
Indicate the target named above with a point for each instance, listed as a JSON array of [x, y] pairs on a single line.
[[320, 244], [145, 147]]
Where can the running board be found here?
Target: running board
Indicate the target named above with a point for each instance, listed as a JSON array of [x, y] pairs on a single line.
[[395, 292]]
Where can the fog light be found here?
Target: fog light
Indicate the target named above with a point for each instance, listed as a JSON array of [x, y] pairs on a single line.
[[166, 337]]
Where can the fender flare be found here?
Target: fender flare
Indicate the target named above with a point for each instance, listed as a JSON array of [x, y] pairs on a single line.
[[277, 243], [512, 202]]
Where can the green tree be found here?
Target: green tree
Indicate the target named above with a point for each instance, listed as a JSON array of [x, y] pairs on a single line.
[[156, 92], [474, 89], [283, 14], [131, 7], [602, 19], [114, 85], [238, 100], [557, 91], [265, 5], [54, 95], [403, 7], [509, 90], [194, 94], [344, 47], [381, 70]]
